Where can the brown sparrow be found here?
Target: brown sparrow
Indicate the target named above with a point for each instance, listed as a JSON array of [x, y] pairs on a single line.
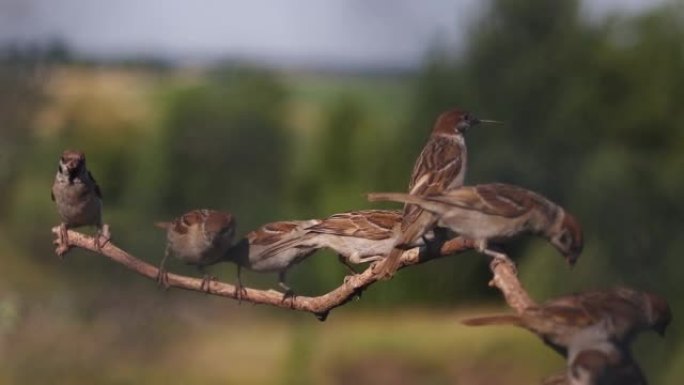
[[199, 238], [594, 331], [78, 199], [274, 247], [440, 167], [358, 236], [495, 213]]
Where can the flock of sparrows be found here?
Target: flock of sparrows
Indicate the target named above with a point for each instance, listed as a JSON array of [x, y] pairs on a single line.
[[437, 206]]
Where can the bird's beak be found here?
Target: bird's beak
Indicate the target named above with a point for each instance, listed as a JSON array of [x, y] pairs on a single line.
[[489, 121]]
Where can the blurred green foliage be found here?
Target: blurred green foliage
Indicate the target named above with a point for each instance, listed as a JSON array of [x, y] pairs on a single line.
[[592, 119]]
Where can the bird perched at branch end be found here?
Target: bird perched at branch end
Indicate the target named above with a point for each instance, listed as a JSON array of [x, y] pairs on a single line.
[[78, 199]]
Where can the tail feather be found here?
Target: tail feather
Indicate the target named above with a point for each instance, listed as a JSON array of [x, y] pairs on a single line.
[[501, 319], [295, 241], [163, 225], [424, 203], [423, 223], [390, 264], [394, 197]]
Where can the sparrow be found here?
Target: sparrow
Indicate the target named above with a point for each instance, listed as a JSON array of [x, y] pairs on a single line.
[[495, 213], [358, 236], [593, 330], [78, 199], [199, 238], [274, 247], [440, 167]]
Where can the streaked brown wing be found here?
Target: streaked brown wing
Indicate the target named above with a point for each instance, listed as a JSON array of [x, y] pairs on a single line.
[[492, 199], [569, 316], [272, 232], [383, 219], [437, 166], [216, 222], [555, 324], [187, 220], [367, 224]]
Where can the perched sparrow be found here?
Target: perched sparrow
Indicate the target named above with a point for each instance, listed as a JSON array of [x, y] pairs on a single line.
[[594, 331], [274, 247], [78, 199], [441, 166], [358, 236], [495, 213], [198, 237]]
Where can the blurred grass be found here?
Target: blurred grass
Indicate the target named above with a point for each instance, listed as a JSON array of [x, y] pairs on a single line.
[[188, 339]]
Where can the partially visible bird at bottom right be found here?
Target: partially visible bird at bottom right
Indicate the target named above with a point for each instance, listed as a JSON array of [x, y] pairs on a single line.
[[594, 331]]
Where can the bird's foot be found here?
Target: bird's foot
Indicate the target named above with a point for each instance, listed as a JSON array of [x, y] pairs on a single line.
[[62, 240], [348, 278], [381, 271], [240, 292], [102, 237], [288, 292], [207, 279], [163, 278]]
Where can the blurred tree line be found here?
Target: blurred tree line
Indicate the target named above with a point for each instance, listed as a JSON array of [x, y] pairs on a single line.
[[592, 120], [592, 114]]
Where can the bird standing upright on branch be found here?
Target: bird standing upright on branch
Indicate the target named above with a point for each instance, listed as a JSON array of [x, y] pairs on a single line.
[[199, 238], [78, 199], [440, 167], [495, 213]]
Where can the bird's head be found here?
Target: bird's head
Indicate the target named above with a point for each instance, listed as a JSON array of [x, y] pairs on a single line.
[[457, 121], [568, 238], [72, 163], [658, 313]]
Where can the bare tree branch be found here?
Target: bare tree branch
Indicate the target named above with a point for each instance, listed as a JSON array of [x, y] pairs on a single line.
[[506, 280], [319, 306]]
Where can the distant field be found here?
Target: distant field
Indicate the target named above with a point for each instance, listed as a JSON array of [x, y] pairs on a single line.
[[131, 96], [176, 338]]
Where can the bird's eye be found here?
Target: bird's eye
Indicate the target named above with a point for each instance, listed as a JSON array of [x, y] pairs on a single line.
[[565, 239], [467, 117]]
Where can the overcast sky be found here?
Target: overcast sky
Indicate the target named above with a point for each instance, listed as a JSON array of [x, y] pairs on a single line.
[[346, 32]]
